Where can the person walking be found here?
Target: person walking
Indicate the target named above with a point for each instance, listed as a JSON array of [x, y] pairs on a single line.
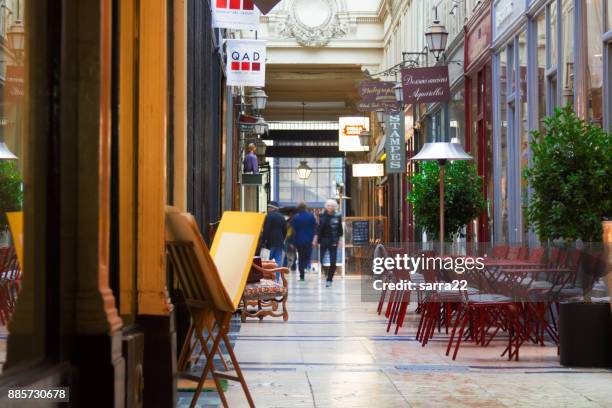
[[250, 163], [328, 234], [304, 226], [274, 232]]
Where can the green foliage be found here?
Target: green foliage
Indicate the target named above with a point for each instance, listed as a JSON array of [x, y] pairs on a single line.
[[11, 196], [571, 179], [463, 198]]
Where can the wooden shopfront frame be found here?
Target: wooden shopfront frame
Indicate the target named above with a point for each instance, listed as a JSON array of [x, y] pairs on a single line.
[[479, 138]]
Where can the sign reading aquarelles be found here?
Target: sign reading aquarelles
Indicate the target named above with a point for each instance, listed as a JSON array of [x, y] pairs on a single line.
[[421, 85], [246, 62], [377, 95]]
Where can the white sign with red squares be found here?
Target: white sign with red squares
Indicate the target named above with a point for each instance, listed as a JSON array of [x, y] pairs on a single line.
[[246, 62], [235, 14]]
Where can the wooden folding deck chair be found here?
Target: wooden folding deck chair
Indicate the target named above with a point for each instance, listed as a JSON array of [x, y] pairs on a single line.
[[212, 283]]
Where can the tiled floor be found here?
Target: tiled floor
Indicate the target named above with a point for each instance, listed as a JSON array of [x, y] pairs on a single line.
[[334, 352]]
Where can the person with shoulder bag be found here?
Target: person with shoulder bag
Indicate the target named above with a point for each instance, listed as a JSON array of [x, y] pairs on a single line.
[[329, 233]]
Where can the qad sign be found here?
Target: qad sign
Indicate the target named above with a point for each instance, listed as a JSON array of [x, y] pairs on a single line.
[[235, 14], [246, 62]]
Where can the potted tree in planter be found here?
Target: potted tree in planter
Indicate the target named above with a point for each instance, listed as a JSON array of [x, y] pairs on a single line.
[[463, 197], [10, 194], [571, 175]]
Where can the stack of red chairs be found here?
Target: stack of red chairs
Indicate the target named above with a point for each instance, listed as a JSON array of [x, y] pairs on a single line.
[[518, 294]]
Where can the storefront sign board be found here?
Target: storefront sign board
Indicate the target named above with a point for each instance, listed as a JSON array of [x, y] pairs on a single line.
[[423, 85], [235, 14], [377, 95], [246, 62], [395, 144]]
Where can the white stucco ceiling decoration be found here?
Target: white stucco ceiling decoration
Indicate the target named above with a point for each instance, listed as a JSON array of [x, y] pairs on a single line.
[[313, 23]]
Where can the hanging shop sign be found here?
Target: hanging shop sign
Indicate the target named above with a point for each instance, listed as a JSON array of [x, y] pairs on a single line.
[[235, 14], [421, 85], [377, 95], [14, 89], [246, 62], [395, 144], [349, 129], [265, 6], [368, 170]]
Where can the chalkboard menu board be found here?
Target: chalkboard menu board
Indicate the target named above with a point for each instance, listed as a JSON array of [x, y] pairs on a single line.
[[361, 232]]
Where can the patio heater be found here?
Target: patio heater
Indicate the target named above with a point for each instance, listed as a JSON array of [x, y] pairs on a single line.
[[441, 152]]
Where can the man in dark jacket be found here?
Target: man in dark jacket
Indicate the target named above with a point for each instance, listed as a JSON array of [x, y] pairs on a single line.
[[304, 226], [328, 234], [274, 232]]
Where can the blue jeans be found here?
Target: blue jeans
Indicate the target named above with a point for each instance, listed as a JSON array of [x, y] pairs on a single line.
[[304, 253], [276, 253]]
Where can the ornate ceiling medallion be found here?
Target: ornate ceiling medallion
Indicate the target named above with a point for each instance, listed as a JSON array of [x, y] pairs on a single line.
[[313, 23]]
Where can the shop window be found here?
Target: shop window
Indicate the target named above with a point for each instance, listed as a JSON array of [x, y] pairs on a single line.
[[594, 74], [541, 67], [320, 186], [523, 128], [567, 43], [457, 116], [13, 115], [503, 144], [551, 34]]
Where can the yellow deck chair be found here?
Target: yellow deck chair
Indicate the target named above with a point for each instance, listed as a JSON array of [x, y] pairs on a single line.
[[212, 283]]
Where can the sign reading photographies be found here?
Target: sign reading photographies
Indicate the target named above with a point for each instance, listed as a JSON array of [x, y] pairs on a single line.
[[395, 144], [377, 95], [246, 62], [235, 14], [421, 85], [349, 129]]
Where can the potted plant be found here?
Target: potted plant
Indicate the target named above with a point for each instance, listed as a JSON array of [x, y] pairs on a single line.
[[11, 195], [570, 177], [463, 197]]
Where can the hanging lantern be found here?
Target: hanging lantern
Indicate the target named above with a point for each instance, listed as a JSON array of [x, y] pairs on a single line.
[[380, 116], [258, 99], [260, 127], [436, 36], [364, 138], [399, 93], [303, 170]]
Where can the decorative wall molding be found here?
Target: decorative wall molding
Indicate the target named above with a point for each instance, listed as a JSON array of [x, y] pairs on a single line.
[[298, 20]]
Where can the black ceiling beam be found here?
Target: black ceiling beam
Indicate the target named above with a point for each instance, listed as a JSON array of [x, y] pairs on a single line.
[[303, 151], [303, 135]]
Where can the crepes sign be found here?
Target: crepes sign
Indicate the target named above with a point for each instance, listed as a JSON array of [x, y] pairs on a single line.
[[421, 85]]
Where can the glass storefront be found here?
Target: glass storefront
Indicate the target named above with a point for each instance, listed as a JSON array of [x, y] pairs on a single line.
[[541, 67], [523, 131], [502, 213], [594, 47], [12, 141], [316, 189], [456, 113], [567, 55]]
